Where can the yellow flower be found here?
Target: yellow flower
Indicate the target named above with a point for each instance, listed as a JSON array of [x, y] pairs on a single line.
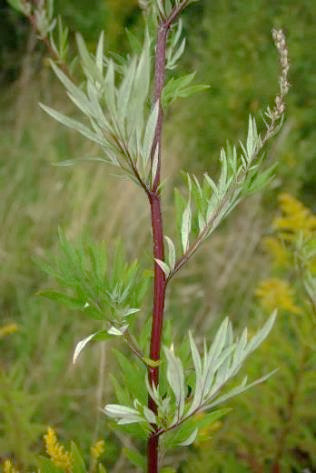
[[97, 449], [57, 453], [8, 329], [277, 251], [275, 293], [295, 218], [8, 467]]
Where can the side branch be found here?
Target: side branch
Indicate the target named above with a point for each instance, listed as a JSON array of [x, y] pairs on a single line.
[[176, 12], [238, 179]]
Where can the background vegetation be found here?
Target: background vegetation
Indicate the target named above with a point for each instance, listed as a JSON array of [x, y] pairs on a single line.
[[229, 44]]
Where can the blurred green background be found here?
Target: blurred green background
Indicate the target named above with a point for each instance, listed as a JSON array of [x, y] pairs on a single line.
[[229, 45]]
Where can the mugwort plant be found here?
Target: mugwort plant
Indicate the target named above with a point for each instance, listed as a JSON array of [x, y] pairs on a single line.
[[123, 102]]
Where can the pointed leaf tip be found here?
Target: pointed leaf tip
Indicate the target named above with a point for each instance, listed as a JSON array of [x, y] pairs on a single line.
[[81, 345]]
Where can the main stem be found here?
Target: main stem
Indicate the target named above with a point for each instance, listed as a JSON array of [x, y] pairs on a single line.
[[157, 323], [159, 290], [160, 282]]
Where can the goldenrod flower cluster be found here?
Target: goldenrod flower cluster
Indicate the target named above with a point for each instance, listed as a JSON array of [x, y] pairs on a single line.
[[275, 293], [278, 252], [57, 453], [97, 449], [295, 218], [296, 224], [8, 329], [8, 467], [296, 221]]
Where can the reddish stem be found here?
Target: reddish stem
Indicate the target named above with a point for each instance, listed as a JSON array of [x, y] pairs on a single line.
[[157, 321], [158, 249], [160, 284], [159, 290]]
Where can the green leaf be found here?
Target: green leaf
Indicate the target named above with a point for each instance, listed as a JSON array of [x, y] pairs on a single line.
[[100, 53], [179, 88], [21, 6], [142, 76], [175, 55], [261, 334], [258, 180], [47, 466], [222, 181], [101, 468], [161, 8], [78, 465], [175, 376], [75, 93], [174, 86], [174, 437], [123, 414], [188, 441], [150, 133], [252, 138], [194, 89], [210, 418], [117, 331], [238, 390], [109, 88], [211, 184], [134, 42], [125, 90], [154, 166], [186, 227], [171, 253], [88, 64], [122, 396], [195, 356], [73, 124], [165, 268], [132, 375], [64, 299], [73, 162], [180, 204], [100, 335]]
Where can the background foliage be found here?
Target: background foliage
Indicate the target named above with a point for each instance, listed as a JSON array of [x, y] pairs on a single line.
[[229, 44]]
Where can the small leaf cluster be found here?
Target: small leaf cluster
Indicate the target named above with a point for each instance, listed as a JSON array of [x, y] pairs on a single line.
[[209, 202], [212, 371], [109, 294], [113, 97], [21, 6], [48, 28], [175, 46], [180, 88], [163, 8]]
